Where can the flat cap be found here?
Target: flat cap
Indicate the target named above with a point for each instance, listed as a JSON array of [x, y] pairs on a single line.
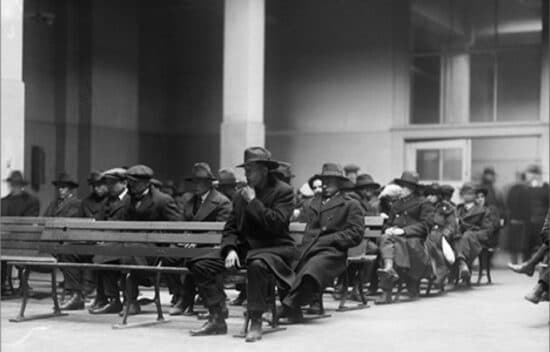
[[115, 173], [143, 172]]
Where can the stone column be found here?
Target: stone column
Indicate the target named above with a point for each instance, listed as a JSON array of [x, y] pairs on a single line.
[[456, 80], [243, 80], [13, 89]]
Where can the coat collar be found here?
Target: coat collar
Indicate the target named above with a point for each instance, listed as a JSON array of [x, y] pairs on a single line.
[[475, 210], [209, 205], [335, 201]]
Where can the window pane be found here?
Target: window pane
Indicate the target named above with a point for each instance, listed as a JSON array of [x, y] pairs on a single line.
[[425, 89], [518, 84], [519, 22], [452, 164], [427, 164], [481, 87]]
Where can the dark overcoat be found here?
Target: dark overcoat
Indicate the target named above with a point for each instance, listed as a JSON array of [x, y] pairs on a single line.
[[69, 207], [331, 230], [477, 220], [93, 206], [259, 229], [22, 204], [216, 207], [413, 214]]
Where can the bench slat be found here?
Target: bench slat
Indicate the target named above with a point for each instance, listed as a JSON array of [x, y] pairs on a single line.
[[139, 225], [123, 250], [20, 245], [21, 236], [10, 228], [124, 236], [114, 267], [22, 253]]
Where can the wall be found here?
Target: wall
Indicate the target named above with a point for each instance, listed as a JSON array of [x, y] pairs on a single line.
[[335, 83]]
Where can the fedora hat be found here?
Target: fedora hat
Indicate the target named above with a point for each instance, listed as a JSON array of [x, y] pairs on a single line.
[[366, 181], [408, 178], [333, 170], [258, 155], [284, 170], [201, 171], [351, 168], [468, 187], [447, 190], [433, 189], [16, 178], [226, 177], [95, 178], [64, 179]]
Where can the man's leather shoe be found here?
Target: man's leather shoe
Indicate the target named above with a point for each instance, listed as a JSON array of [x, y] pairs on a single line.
[[464, 272], [76, 302], [535, 296], [239, 300], [387, 277], [214, 326], [98, 302], [255, 331], [113, 306], [182, 307], [293, 315], [386, 298], [133, 310], [523, 268], [315, 309]]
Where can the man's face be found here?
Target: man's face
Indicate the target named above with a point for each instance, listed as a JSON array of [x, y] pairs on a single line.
[[480, 199], [530, 177], [406, 191], [137, 186], [489, 178], [255, 174], [100, 189], [14, 188], [115, 186], [352, 175], [201, 186], [330, 187], [432, 198], [317, 186], [63, 191], [469, 196]]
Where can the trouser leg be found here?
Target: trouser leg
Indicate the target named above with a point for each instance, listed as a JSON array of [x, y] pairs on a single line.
[[304, 293], [260, 280], [468, 247], [208, 276]]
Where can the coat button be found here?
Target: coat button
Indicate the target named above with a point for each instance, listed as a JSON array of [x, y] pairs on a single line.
[[324, 228], [397, 215]]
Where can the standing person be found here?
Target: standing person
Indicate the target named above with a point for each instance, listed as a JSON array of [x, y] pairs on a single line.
[[18, 202], [402, 244], [207, 204], [475, 225], [351, 171], [116, 208], [256, 234], [146, 204], [94, 204], [444, 229], [518, 204], [67, 205], [494, 197], [538, 194], [334, 226]]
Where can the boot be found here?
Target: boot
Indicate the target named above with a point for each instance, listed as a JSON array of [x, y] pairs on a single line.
[[113, 306], [386, 297], [535, 295], [528, 267], [76, 302], [464, 271], [215, 325], [99, 301], [293, 314], [182, 307], [255, 331], [387, 275], [315, 308]]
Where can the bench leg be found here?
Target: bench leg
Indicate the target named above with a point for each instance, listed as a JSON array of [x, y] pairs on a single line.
[[488, 267], [342, 307], [160, 317], [481, 260], [24, 284], [344, 293]]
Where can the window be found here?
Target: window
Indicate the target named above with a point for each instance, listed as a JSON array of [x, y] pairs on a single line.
[[494, 44]]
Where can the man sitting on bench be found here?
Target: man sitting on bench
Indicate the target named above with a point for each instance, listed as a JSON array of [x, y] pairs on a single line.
[[256, 233], [335, 224]]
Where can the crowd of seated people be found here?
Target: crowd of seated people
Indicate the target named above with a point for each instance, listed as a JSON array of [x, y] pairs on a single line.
[[425, 235]]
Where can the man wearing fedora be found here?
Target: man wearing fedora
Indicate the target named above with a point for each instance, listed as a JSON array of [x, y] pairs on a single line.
[[107, 299], [402, 244], [335, 224], [67, 205], [94, 204], [475, 226], [146, 204], [18, 202], [207, 204], [256, 235], [351, 171], [227, 183], [366, 188]]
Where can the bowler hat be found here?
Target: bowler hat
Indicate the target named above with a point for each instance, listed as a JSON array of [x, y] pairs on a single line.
[[142, 172], [447, 190], [201, 171], [65, 180], [16, 178], [433, 189], [117, 173], [226, 177], [489, 170], [468, 187], [258, 155], [366, 181], [283, 170], [408, 178], [95, 178]]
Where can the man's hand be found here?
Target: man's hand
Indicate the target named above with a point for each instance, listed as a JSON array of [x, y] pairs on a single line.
[[394, 231], [248, 193], [232, 260]]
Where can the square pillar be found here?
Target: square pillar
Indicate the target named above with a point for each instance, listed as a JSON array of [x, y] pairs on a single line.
[[243, 79]]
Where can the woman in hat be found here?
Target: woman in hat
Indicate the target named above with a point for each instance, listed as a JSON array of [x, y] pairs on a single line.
[[335, 224]]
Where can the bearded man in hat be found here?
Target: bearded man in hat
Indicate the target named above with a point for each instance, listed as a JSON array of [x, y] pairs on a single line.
[[93, 205], [475, 226], [402, 244], [107, 300], [334, 225], [207, 204], [18, 202], [256, 235], [146, 204], [441, 235]]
